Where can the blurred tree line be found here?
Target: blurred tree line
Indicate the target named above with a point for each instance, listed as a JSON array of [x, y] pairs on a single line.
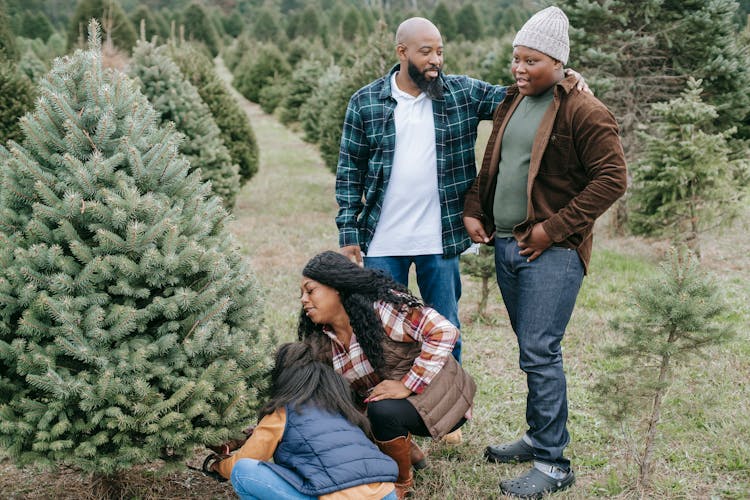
[[302, 59]]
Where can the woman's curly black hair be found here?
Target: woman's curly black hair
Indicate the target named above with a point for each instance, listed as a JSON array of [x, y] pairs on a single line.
[[359, 288]]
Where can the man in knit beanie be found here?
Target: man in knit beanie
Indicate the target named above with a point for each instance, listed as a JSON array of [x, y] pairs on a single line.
[[553, 164]]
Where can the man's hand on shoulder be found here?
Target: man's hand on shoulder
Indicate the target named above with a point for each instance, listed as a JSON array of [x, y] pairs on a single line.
[[580, 83]]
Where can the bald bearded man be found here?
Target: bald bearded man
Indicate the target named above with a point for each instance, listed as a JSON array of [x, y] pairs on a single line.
[[405, 162]]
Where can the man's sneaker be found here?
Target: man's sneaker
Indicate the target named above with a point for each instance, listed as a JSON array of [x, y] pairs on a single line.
[[535, 484], [509, 453]]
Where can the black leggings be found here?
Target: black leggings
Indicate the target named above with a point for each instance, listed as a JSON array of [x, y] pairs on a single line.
[[392, 418]]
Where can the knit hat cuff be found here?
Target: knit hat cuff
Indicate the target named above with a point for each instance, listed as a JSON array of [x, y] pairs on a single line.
[[543, 43]]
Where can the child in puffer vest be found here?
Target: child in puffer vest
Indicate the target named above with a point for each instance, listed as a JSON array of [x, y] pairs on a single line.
[[317, 438]]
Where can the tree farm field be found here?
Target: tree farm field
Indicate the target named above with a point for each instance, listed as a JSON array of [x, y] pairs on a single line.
[[285, 215]]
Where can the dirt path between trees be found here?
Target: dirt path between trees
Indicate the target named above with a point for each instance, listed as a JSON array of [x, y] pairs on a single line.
[[285, 213]]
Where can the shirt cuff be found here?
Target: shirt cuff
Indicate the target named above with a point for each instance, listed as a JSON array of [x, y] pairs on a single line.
[[348, 237], [414, 383]]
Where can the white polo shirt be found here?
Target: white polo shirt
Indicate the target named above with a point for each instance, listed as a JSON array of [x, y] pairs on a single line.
[[409, 222]]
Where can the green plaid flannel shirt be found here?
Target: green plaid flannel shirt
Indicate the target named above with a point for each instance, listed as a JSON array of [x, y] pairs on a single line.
[[366, 155]]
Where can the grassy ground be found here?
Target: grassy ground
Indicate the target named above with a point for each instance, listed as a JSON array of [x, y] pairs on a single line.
[[285, 215]]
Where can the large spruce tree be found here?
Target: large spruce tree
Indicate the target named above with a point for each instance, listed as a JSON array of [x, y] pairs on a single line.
[[635, 54], [129, 321], [178, 101]]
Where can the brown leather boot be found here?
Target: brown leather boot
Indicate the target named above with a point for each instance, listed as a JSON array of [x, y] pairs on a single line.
[[418, 460], [399, 449]]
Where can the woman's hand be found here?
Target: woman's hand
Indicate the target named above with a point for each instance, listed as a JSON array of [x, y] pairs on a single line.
[[388, 389]]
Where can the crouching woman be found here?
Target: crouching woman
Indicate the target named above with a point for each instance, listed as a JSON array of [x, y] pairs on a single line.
[[316, 437], [394, 351]]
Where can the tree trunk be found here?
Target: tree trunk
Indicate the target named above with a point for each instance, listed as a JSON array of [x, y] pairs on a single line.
[[645, 466], [482, 308], [692, 238]]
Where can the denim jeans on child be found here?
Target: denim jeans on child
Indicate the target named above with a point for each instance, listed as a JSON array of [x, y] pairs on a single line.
[[540, 296], [254, 481], [438, 279]]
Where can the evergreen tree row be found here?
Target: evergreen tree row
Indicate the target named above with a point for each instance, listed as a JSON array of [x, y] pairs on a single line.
[[178, 101]]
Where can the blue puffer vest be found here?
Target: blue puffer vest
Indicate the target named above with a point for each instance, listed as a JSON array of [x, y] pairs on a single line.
[[320, 453]]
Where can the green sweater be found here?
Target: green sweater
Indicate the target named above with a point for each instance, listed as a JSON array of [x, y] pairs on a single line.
[[513, 173]]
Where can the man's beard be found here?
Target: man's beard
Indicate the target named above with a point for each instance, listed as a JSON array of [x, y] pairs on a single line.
[[433, 88]]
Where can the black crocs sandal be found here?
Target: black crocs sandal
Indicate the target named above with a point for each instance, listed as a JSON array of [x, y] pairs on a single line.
[[535, 484], [510, 453]]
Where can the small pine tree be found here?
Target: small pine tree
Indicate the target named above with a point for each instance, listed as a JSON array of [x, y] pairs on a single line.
[[351, 25], [178, 101], [305, 23], [233, 24], [121, 30], [265, 26], [236, 131], [445, 22], [272, 94], [55, 46], [8, 49], [258, 69], [364, 70], [36, 25], [481, 265], [672, 316], [301, 87], [198, 27], [312, 109], [687, 182], [31, 65], [155, 26], [129, 320], [16, 98], [468, 23], [232, 54]]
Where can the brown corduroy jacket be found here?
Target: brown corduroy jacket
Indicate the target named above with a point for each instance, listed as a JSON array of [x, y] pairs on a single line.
[[577, 169]]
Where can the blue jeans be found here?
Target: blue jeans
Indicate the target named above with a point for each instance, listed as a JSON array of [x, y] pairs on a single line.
[[254, 481], [540, 296], [438, 279]]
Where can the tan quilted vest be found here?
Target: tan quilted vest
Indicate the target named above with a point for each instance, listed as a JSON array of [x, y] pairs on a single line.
[[446, 399]]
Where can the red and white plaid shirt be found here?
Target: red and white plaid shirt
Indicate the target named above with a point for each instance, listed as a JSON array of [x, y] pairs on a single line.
[[420, 324]]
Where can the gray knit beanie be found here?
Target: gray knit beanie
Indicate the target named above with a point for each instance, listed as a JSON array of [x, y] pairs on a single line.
[[547, 32]]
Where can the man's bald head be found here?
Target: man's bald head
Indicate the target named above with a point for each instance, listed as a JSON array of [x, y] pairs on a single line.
[[415, 27]]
